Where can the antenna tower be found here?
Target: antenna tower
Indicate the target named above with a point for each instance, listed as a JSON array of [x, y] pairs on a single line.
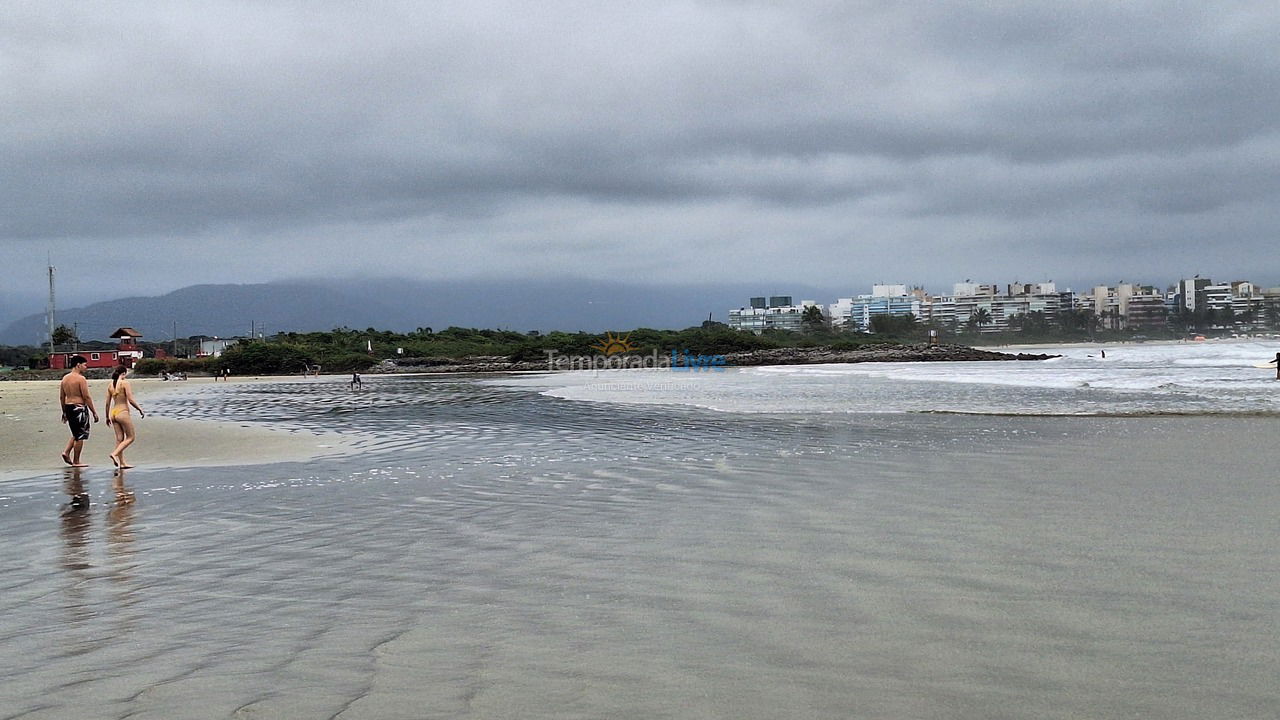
[[51, 307]]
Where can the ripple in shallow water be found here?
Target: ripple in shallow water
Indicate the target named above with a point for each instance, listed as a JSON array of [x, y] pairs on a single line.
[[494, 552]]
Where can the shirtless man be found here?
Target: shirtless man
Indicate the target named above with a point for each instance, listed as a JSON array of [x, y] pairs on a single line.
[[73, 397]]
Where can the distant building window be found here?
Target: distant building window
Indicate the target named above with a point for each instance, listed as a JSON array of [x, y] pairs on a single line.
[[93, 356]]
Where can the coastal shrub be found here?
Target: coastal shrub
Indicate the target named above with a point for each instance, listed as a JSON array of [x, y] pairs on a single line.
[[21, 355], [149, 366], [155, 366], [535, 349], [260, 358], [718, 341], [346, 362], [852, 343]]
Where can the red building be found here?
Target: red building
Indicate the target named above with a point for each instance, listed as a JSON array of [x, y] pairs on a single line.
[[127, 353], [94, 358]]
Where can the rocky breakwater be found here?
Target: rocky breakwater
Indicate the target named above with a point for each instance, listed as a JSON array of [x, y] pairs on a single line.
[[469, 364], [881, 352]]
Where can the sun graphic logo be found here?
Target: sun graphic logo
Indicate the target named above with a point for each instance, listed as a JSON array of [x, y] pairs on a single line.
[[613, 344]]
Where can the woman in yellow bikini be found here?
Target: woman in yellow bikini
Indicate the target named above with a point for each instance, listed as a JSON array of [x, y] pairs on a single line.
[[119, 398]]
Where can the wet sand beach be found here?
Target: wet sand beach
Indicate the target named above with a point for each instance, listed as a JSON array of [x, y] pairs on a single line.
[[32, 434], [492, 552]]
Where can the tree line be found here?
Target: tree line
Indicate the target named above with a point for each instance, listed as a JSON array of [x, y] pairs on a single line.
[[346, 349]]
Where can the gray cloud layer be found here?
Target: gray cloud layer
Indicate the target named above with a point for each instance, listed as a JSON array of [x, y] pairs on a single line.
[[829, 143]]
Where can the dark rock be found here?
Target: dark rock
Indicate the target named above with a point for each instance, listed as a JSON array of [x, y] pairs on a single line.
[[879, 352]]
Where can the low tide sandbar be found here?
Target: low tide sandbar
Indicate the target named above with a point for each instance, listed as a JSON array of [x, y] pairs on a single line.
[[32, 433]]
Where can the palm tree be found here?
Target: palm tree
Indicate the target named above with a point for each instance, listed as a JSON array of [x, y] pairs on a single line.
[[980, 317], [812, 318]]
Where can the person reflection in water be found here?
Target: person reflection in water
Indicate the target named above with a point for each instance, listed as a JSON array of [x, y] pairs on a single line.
[[73, 486], [76, 523], [77, 541], [120, 544], [124, 496]]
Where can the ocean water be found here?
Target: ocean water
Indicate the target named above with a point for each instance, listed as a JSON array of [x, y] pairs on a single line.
[[559, 546], [1132, 379]]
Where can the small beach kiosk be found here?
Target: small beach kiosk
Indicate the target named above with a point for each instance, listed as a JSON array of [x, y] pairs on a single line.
[[128, 352]]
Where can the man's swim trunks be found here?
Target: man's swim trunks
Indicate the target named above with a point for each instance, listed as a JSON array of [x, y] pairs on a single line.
[[77, 421]]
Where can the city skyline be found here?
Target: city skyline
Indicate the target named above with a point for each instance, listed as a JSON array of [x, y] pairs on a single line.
[[993, 307]]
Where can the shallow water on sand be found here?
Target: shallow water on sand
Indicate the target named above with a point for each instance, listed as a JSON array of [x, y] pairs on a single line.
[[492, 552]]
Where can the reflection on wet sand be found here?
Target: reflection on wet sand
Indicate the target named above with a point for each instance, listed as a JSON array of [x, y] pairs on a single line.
[[77, 545], [124, 496], [120, 540], [76, 522]]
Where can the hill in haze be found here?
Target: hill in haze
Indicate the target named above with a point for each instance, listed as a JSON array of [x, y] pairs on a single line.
[[403, 305]]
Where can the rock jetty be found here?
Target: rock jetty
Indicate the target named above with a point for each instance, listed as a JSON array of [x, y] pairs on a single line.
[[880, 352]]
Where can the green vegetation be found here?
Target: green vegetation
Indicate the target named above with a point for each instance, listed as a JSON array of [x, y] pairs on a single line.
[[63, 335], [346, 349], [21, 356], [898, 326], [153, 366], [812, 319]]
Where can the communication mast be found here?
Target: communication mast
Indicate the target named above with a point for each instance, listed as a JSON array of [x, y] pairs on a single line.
[[49, 313]]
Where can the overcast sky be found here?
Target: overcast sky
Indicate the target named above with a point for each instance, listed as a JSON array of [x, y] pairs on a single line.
[[150, 146]]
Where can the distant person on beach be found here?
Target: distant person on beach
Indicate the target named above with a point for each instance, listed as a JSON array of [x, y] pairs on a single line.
[[226, 374], [120, 395], [1277, 362], [355, 381], [73, 397]]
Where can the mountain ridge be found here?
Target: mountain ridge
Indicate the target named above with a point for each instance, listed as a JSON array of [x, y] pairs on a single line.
[[400, 304]]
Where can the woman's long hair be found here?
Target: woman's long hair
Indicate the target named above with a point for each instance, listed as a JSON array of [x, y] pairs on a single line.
[[115, 375]]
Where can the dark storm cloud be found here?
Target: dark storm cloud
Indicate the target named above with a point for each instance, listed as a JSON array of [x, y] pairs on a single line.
[[521, 138]]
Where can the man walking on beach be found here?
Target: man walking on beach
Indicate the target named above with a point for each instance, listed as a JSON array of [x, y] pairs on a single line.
[[1277, 362], [77, 404]]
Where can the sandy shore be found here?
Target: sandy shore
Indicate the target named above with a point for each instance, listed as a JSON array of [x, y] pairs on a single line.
[[32, 433]]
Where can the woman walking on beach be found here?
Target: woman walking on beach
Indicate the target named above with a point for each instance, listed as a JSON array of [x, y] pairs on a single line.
[[119, 398]]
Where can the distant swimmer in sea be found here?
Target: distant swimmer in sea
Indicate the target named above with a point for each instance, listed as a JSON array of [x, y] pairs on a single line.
[[355, 381], [119, 398], [73, 398]]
